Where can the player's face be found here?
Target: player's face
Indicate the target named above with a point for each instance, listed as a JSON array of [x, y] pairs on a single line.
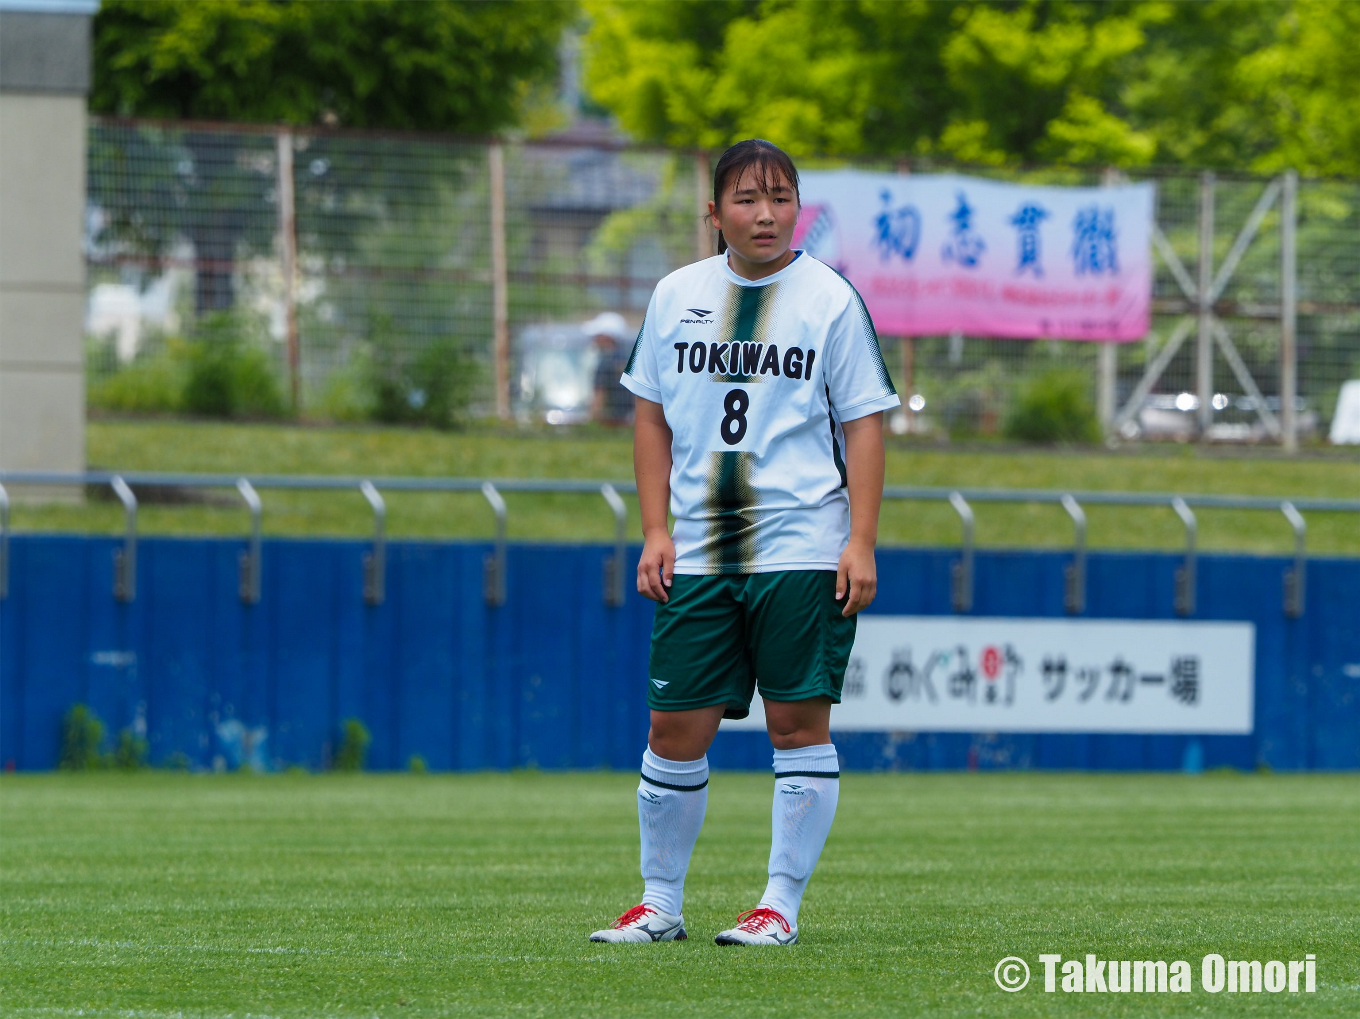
[[757, 222]]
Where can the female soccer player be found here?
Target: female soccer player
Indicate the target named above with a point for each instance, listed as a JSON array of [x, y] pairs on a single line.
[[760, 391]]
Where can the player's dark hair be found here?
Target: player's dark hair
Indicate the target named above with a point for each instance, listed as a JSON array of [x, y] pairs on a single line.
[[754, 154]]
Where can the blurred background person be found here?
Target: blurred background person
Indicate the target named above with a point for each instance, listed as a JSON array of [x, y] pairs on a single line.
[[611, 404]]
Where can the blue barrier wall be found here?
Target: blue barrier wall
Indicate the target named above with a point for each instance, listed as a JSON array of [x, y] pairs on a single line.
[[555, 678]]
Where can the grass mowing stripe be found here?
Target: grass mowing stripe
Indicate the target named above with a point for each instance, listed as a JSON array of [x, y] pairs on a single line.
[[396, 895]]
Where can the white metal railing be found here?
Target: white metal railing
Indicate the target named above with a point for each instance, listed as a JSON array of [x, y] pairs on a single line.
[[615, 573]]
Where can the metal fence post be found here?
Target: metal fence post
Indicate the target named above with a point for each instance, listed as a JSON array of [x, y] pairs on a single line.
[[493, 566], [4, 543], [500, 280], [614, 565], [1106, 354], [1074, 574], [961, 573], [1185, 574], [1107, 364], [1289, 309], [1204, 347], [375, 561], [250, 561], [288, 245], [1295, 580], [125, 558]]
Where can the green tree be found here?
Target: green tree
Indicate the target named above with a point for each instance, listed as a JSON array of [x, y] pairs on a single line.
[[1221, 82], [807, 75], [449, 65], [1306, 83], [1182, 86]]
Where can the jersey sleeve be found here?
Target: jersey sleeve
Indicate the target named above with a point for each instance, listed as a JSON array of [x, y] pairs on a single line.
[[640, 376], [856, 376]]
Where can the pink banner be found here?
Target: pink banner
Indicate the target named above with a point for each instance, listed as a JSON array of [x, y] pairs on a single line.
[[936, 254]]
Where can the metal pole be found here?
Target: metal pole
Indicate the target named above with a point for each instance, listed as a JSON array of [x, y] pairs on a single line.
[[1105, 354], [908, 347], [703, 183], [1185, 574], [1295, 579], [4, 543], [375, 562], [1204, 350], [251, 560], [962, 572], [125, 558], [1106, 362], [1289, 309], [1074, 593], [614, 566], [493, 566], [500, 282], [288, 239]]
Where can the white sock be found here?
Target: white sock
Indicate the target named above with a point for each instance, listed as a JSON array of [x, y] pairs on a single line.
[[672, 798], [807, 783]]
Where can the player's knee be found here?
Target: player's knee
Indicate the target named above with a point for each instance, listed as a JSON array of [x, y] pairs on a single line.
[[791, 739], [677, 738]]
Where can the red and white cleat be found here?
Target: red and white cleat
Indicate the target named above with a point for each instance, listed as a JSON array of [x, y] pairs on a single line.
[[644, 923], [760, 926]]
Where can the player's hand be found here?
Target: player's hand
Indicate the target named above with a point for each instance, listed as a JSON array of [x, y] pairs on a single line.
[[857, 574], [656, 567]]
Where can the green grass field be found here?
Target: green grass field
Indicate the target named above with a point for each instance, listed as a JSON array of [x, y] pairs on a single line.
[[402, 895], [596, 453]]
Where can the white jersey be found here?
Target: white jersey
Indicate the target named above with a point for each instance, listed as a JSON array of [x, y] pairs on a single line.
[[755, 378]]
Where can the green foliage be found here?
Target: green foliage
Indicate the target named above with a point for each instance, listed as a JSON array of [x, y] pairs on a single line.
[[221, 372], [178, 761], [416, 765], [347, 394], [1219, 82], [668, 215], [81, 734], [1305, 82], [227, 375], [451, 66], [152, 384], [1054, 407], [430, 385], [971, 402], [983, 82], [131, 752], [354, 741]]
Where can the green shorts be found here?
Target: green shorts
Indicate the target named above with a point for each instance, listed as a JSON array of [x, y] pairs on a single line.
[[720, 636]]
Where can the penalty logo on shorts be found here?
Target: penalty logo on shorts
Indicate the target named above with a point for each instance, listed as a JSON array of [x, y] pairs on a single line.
[[660, 683]]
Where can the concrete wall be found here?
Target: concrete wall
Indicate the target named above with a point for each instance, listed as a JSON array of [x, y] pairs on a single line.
[[44, 76]]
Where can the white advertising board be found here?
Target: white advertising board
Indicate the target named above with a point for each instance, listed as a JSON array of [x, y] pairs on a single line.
[[950, 674]]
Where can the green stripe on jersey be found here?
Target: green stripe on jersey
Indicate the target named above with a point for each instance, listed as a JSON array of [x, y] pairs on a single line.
[[637, 346], [747, 313], [731, 501], [876, 352]]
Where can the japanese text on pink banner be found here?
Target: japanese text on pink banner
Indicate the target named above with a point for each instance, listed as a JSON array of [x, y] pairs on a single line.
[[935, 254]]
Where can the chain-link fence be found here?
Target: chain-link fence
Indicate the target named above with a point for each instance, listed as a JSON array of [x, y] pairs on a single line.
[[373, 276]]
